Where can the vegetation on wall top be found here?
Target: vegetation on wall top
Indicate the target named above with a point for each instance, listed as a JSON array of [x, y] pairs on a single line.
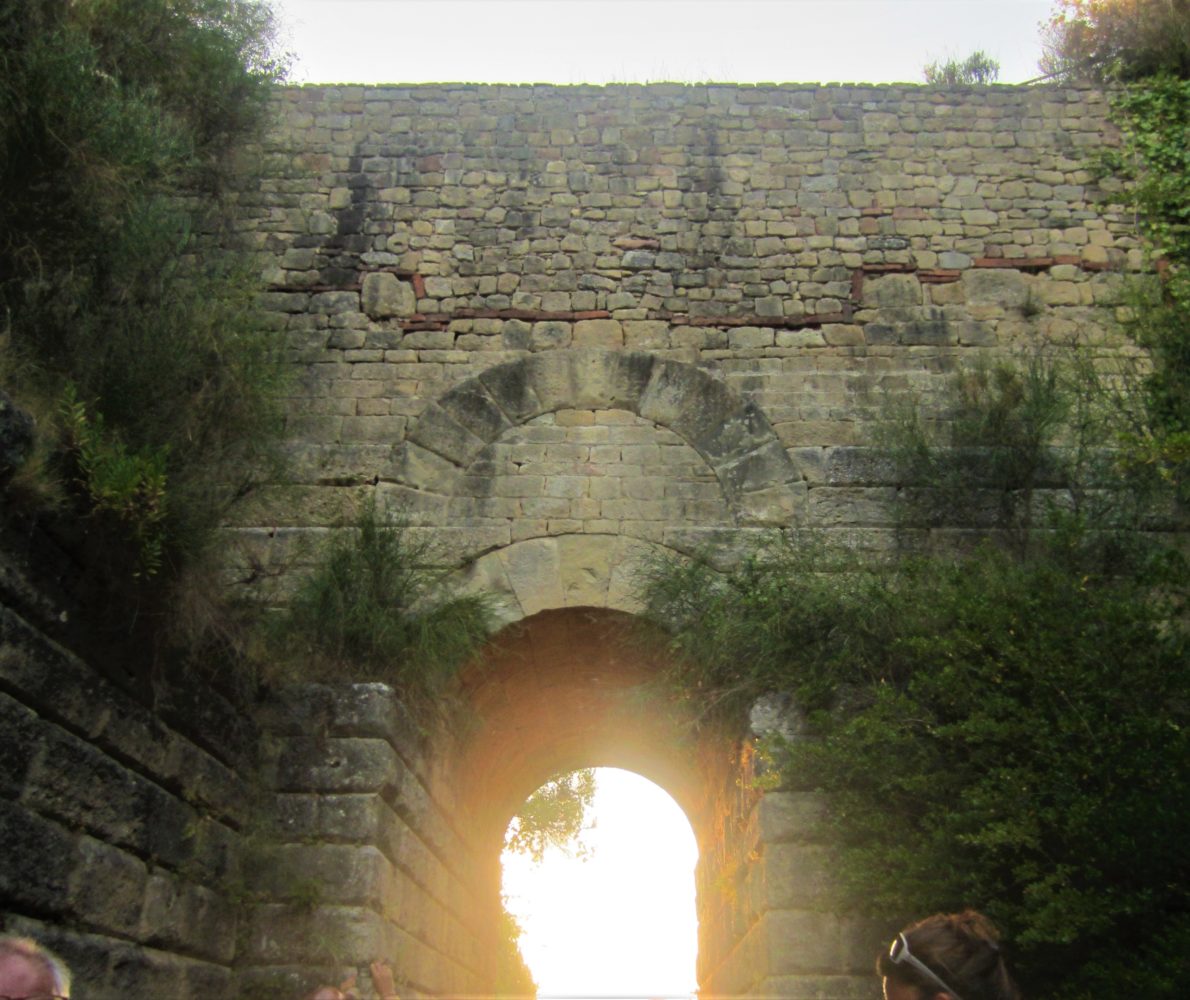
[[128, 327]]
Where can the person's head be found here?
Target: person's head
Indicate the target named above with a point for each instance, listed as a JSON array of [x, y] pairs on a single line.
[[29, 970], [325, 993], [949, 956]]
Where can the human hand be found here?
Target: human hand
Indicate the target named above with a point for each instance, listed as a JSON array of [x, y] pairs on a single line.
[[382, 979], [347, 988]]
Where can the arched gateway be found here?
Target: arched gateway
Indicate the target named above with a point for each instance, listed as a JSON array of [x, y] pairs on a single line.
[[562, 329], [566, 329], [407, 844]]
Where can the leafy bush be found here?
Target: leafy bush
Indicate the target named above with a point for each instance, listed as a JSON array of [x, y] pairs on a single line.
[[375, 607], [120, 123], [989, 731], [553, 816], [129, 486], [978, 69], [1117, 39], [1154, 162]]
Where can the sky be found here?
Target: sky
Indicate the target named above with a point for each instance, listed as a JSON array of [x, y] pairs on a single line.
[[641, 41], [620, 923]]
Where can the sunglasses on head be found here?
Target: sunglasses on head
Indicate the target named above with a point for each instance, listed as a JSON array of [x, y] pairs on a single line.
[[899, 954]]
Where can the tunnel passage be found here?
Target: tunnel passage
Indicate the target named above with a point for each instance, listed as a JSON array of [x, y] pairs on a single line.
[[566, 689], [570, 688]]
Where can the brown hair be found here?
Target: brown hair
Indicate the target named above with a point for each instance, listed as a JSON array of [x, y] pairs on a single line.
[[963, 950]]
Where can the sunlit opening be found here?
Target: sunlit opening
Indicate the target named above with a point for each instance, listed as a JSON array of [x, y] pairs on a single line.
[[613, 916]]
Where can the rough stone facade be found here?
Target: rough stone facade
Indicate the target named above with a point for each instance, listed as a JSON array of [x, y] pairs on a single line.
[[565, 328], [510, 303], [562, 329], [123, 806]]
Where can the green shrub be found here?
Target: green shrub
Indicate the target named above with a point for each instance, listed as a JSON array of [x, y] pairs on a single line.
[[988, 731], [120, 124], [375, 607], [978, 69], [553, 816]]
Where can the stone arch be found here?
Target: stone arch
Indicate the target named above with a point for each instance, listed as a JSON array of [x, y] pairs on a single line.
[[733, 436], [569, 687], [562, 689], [560, 571]]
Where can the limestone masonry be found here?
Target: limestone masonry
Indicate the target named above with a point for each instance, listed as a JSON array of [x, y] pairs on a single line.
[[537, 314], [561, 329]]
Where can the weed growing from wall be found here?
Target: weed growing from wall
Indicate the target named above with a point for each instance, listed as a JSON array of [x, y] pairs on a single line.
[[375, 608]]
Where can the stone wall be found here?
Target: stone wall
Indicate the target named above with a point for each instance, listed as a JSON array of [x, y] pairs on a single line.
[[563, 329], [122, 806], [363, 860], [464, 274]]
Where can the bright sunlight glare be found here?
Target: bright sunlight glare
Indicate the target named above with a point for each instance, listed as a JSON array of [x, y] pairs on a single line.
[[620, 923]]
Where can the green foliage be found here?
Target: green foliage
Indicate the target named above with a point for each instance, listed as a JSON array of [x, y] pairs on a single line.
[[375, 607], [1025, 449], [513, 978], [553, 816], [1006, 729], [1154, 117], [978, 69], [1154, 161], [1116, 40], [989, 731], [130, 486], [120, 122]]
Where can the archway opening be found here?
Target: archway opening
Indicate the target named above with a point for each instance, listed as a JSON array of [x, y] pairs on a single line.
[[611, 912]]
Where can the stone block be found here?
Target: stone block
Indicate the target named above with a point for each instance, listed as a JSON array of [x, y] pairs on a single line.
[[427, 471], [704, 412], [935, 331], [585, 567], [534, 570], [107, 887], [819, 987], [334, 303], [794, 876], [179, 915], [79, 786], [764, 468], [20, 731], [342, 874], [892, 291], [590, 378], [844, 466], [38, 857], [347, 935], [813, 942], [785, 816], [848, 506], [384, 295], [474, 409], [340, 765], [1003, 287], [550, 335], [775, 506], [598, 333], [438, 431], [510, 387]]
